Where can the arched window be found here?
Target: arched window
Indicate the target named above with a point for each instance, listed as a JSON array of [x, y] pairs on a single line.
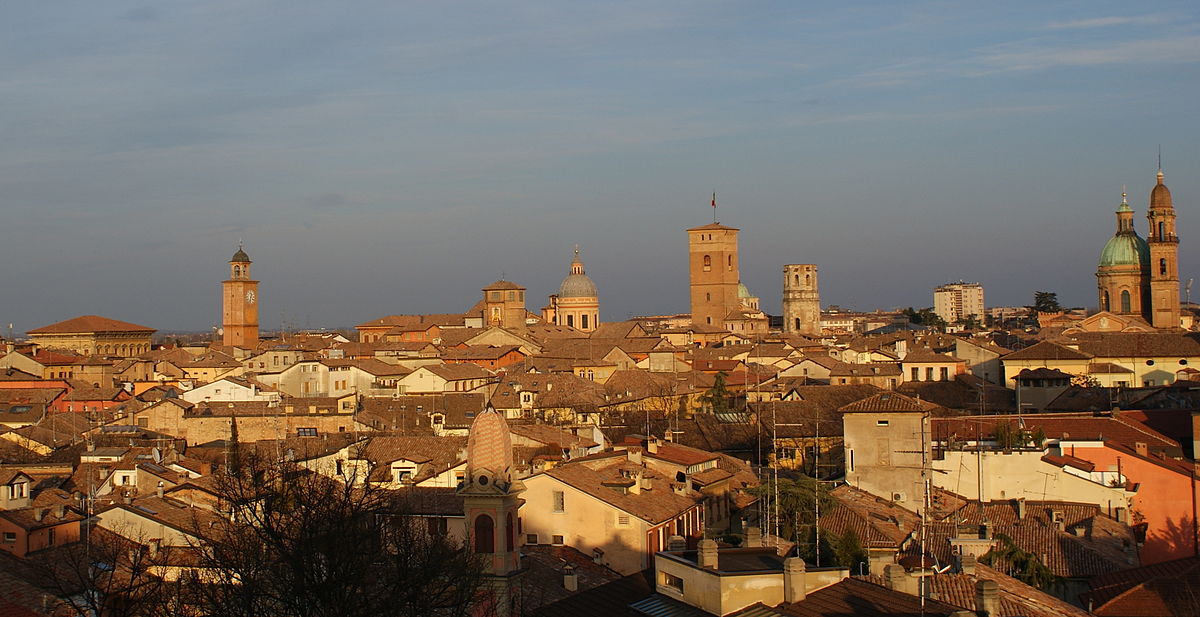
[[808, 279], [1104, 302], [1162, 264], [485, 534], [1161, 226], [797, 279], [707, 263], [729, 259], [583, 322], [510, 534], [797, 323], [1125, 302], [237, 271]]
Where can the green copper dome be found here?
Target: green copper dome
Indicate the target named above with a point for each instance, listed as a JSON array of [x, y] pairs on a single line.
[[1125, 249]]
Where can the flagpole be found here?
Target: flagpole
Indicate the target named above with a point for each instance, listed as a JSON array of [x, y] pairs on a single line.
[[714, 205]]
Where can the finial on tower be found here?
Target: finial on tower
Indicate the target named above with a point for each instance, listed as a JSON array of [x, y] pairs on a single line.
[[1124, 196], [576, 251]]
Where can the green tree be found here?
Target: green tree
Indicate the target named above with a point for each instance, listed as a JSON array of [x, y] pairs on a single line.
[[924, 317], [718, 396], [796, 501], [849, 552], [1045, 302]]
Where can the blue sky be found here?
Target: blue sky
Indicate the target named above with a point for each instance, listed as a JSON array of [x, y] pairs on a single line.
[[386, 157]]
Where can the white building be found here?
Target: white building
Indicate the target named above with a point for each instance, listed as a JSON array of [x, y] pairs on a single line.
[[958, 301]]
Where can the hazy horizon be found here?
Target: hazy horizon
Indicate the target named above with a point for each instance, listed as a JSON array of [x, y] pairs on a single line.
[[398, 158]]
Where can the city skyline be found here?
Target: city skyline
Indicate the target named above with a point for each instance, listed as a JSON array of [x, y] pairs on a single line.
[[373, 167]]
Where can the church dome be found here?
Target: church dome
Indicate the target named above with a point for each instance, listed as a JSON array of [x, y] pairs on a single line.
[[577, 284], [743, 292], [1125, 249], [240, 256], [1160, 195]]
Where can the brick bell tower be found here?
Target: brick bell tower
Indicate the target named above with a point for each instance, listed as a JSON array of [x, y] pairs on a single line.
[[490, 495], [1164, 258], [239, 306]]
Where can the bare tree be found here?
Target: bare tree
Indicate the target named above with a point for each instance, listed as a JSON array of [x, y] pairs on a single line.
[[297, 543]]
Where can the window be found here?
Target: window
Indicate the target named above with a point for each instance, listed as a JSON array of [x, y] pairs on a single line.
[[1125, 303], [510, 533], [882, 422], [531, 538], [10, 536], [707, 263], [485, 534], [730, 260], [797, 323], [929, 373], [945, 375], [560, 501], [583, 319], [672, 581], [1162, 266], [556, 540], [50, 536], [306, 432], [916, 374], [570, 321], [622, 520], [512, 295]]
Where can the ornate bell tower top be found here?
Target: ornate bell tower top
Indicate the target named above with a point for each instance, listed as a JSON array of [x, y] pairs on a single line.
[[489, 454], [239, 264]]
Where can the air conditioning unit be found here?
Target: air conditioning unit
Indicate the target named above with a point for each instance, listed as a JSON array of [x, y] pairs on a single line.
[[898, 497]]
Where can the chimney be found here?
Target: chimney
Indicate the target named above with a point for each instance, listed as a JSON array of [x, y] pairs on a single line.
[[647, 483], [652, 444], [987, 598], [1141, 448], [60, 511], [676, 543], [127, 499], [966, 564], [39, 514], [570, 579], [91, 446], [893, 576], [1021, 509], [753, 536], [793, 580], [708, 554], [634, 455], [669, 436], [159, 491], [155, 546]]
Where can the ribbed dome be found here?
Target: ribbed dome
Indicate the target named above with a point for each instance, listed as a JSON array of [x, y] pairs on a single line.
[[743, 292], [577, 284], [1125, 249], [240, 257], [1160, 195]]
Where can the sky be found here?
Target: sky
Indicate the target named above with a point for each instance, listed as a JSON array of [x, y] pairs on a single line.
[[391, 157]]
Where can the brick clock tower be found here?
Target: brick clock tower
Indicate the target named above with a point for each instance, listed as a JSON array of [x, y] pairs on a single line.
[[239, 314], [1164, 258]]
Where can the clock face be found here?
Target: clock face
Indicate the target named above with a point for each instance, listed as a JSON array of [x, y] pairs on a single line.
[[250, 296]]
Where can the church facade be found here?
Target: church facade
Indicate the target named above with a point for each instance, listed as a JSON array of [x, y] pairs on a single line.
[[1140, 277]]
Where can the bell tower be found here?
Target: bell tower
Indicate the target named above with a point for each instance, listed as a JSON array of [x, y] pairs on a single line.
[[491, 499], [239, 314], [713, 273], [1164, 258], [801, 300]]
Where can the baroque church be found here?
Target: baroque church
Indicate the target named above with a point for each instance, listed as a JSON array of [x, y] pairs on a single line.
[[1140, 278]]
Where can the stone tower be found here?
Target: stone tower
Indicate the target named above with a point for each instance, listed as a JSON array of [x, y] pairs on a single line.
[[801, 300], [239, 314], [576, 304], [713, 270], [504, 305], [491, 499], [1164, 258], [1122, 275]]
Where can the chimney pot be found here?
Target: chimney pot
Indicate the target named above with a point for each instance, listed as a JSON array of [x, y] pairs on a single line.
[[966, 564], [793, 580], [39, 514], [708, 554], [987, 598], [753, 536], [570, 579], [676, 543]]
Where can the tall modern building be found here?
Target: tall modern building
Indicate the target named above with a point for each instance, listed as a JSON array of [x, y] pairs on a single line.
[[801, 300], [958, 301], [1139, 277], [239, 314]]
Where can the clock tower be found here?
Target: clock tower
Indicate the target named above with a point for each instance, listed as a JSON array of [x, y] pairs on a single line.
[[239, 315]]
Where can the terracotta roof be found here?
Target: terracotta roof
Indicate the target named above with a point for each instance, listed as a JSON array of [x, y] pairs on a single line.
[[434, 455], [607, 600], [655, 505], [1072, 426], [502, 284], [713, 226], [1140, 344], [27, 518], [453, 372], [550, 435], [1167, 588], [860, 598], [1043, 373], [1046, 350], [926, 355], [886, 402], [544, 566], [88, 324]]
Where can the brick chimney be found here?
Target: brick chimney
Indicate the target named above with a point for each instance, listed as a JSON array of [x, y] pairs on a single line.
[[793, 580], [987, 598], [707, 555]]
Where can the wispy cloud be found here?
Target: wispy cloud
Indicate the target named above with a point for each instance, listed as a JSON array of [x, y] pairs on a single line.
[[1030, 56], [1108, 22]]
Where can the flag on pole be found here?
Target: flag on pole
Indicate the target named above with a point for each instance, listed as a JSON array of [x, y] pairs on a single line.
[[714, 202]]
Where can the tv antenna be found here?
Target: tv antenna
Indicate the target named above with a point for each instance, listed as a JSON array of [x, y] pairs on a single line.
[[1187, 291]]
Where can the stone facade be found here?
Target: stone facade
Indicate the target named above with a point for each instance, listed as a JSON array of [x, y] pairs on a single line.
[[801, 300]]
